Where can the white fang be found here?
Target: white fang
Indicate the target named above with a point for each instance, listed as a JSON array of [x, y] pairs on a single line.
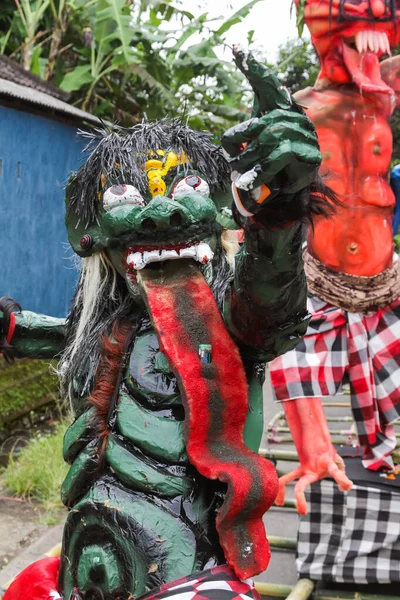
[[201, 253]]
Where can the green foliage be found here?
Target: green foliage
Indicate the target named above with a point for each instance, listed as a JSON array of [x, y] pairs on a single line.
[[121, 59], [297, 65], [395, 126], [397, 243], [23, 385], [300, 17], [39, 470]]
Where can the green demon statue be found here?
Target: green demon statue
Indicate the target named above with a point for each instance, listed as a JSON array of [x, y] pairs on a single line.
[[163, 353]]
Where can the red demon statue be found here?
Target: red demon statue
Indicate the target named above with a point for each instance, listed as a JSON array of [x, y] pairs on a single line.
[[353, 276]]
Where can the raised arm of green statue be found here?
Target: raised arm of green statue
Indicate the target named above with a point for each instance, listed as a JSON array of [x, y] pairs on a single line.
[[274, 158]]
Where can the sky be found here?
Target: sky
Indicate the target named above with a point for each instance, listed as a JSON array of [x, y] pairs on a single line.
[[271, 20]]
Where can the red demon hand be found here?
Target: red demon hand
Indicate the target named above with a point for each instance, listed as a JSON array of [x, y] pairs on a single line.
[[318, 458]]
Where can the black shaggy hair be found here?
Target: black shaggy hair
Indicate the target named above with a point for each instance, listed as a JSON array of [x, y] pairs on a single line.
[[118, 154]]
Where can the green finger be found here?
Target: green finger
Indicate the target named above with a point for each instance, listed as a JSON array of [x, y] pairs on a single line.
[[265, 171], [244, 132], [234, 137], [269, 91], [268, 140], [295, 164], [284, 115]]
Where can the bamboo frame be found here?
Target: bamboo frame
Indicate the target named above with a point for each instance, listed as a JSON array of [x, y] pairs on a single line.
[[304, 588], [283, 543], [279, 454]]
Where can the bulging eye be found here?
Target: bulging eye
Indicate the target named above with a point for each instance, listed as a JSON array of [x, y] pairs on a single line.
[[191, 184], [121, 194]]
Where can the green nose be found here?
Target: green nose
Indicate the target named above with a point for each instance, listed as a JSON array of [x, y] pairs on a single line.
[[163, 213]]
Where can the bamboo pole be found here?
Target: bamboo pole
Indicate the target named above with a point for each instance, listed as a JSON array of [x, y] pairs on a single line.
[[283, 543], [275, 439], [337, 404], [279, 416], [343, 432], [289, 504], [339, 419], [278, 454], [302, 590], [273, 590], [343, 595]]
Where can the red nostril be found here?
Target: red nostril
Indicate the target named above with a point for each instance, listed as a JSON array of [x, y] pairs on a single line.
[[378, 8]]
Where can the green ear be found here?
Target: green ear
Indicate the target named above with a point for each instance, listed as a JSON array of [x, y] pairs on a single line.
[[84, 239]]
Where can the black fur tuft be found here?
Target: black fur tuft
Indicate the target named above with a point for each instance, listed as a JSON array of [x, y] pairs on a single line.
[[318, 200], [118, 154]]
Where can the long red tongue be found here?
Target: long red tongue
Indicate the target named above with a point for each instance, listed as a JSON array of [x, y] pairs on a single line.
[[365, 70], [215, 395]]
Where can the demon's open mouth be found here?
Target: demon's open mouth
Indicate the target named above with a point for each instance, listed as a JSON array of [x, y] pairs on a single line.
[[371, 41], [138, 258], [361, 54]]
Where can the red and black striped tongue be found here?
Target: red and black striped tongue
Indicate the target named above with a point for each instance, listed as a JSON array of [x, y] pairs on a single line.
[[215, 395]]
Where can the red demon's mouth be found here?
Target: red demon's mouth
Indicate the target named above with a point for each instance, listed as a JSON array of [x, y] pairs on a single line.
[[362, 62]]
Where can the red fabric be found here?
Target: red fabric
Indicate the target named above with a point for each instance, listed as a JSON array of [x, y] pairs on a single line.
[[11, 328], [36, 582], [215, 443]]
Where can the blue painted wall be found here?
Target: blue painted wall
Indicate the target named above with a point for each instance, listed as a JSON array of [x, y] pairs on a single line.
[[36, 262]]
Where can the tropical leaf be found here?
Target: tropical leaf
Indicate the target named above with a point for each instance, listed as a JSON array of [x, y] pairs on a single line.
[[120, 13], [35, 63], [300, 17], [112, 50], [154, 85], [228, 112], [237, 17], [77, 78]]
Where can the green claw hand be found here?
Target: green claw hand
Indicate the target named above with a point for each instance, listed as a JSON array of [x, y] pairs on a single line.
[[268, 90], [278, 146]]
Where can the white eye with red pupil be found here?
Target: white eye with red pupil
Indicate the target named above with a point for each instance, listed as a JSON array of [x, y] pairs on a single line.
[[191, 184], [120, 195]]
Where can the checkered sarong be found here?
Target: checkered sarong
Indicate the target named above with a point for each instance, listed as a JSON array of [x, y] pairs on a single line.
[[349, 538], [363, 347], [219, 583]]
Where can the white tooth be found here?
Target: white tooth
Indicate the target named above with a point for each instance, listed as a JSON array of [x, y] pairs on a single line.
[[370, 41], [135, 260], [374, 41], [364, 37], [187, 252], [169, 254], [204, 253], [381, 41], [152, 256], [386, 44], [359, 43]]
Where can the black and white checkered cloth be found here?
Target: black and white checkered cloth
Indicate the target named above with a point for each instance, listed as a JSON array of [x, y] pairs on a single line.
[[218, 583], [350, 538]]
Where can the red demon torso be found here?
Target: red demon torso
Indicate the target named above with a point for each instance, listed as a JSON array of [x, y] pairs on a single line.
[[356, 146], [351, 105]]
